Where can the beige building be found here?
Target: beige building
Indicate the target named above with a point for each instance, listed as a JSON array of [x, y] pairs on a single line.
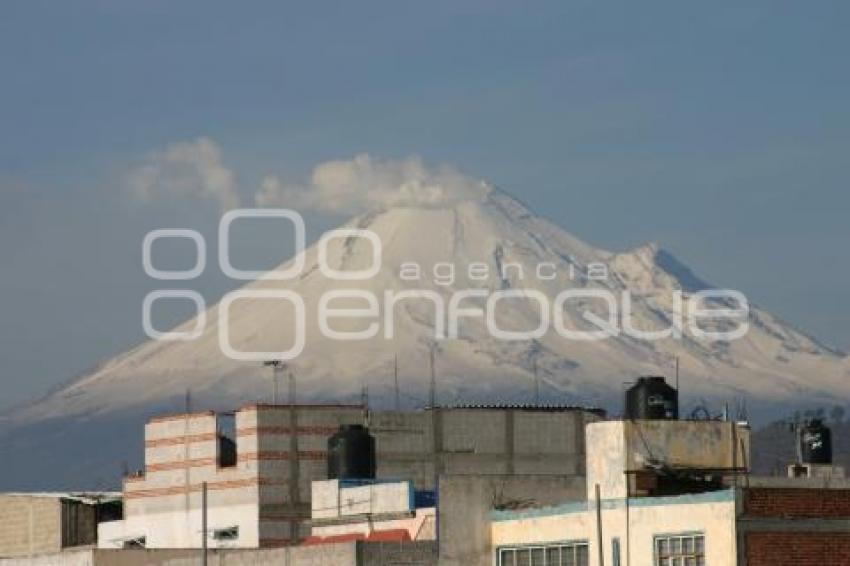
[[39, 523], [677, 493], [698, 529]]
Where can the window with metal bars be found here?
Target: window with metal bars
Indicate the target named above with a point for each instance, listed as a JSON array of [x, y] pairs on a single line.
[[560, 554], [680, 550]]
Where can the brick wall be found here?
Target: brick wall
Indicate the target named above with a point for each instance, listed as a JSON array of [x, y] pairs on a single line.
[[797, 549], [797, 503]]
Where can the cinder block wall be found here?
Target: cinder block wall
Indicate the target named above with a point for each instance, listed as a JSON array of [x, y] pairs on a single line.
[[341, 554], [466, 502], [29, 525], [489, 441]]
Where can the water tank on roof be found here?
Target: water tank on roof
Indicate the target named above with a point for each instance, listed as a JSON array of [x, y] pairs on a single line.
[[816, 443], [351, 453], [652, 399]]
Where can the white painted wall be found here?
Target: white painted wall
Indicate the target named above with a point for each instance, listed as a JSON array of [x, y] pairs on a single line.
[[420, 526], [332, 499], [181, 529]]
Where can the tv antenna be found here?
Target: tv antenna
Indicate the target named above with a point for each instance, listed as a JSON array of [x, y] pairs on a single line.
[[277, 367], [432, 393], [395, 383]]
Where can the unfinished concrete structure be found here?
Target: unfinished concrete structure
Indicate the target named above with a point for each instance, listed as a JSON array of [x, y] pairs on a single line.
[[466, 502], [258, 475], [258, 483], [38, 523], [481, 440]]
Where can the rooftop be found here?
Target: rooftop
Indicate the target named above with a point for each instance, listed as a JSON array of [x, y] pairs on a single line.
[[88, 497]]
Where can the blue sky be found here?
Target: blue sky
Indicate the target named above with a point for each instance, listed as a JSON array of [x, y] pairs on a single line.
[[719, 130]]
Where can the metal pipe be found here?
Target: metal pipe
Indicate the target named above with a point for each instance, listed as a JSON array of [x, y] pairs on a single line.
[[599, 527], [204, 524]]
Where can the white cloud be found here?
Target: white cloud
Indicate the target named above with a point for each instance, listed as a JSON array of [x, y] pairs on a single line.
[[348, 186], [189, 168], [365, 183]]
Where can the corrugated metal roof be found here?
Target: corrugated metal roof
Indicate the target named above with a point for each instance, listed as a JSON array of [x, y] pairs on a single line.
[[88, 497], [542, 407]]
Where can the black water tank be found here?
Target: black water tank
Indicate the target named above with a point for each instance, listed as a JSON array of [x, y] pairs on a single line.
[[351, 453], [652, 399], [816, 443]]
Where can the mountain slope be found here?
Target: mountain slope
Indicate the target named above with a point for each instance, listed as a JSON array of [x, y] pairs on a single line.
[[773, 365]]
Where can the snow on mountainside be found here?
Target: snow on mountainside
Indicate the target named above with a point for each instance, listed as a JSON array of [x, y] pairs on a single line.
[[773, 361], [772, 364]]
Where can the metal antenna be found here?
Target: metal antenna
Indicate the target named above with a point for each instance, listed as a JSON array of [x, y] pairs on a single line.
[[292, 386], [536, 382], [395, 380], [277, 366], [294, 460], [204, 529], [432, 394], [364, 396], [677, 373]]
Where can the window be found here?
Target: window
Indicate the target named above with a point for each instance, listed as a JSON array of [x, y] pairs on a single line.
[[615, 552], [561, 554], [230, 533], [140, 542], [226, 443], [680, 550]]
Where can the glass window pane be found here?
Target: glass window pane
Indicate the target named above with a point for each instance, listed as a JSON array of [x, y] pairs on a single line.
[[689, 545], [581, 555], [568, 556], [523, 557], [553, 556], [663, 547], [537, 557], [700, 544], [675, 546]]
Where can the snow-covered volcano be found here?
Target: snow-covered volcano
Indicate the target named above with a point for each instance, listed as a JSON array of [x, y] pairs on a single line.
[[508, 247]]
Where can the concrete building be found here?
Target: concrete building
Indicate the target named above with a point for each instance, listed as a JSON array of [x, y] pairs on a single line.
[[39, 523], [258, 464], [667, 492], [481, 440], [466, 501], [817, 471], [257, 475]]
